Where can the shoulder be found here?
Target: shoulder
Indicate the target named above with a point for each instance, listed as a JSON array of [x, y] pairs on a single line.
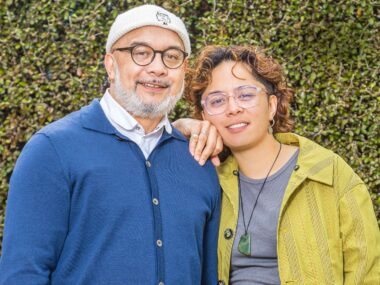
[[324, 162], [63, 134], [66, 124], [306, 146], [321, 164], [41, 140], [178, 135]]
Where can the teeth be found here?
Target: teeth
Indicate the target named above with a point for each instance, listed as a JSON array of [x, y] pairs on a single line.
[[237, 125], [152, 85]]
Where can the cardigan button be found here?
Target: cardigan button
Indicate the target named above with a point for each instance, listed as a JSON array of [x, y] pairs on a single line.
[[155, 201], [221, 282], [235, 172], [296, 167], [228, 233], [148, 164]]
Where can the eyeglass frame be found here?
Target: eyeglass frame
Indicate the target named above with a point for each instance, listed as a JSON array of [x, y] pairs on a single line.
[[131, 48], [203, 102]]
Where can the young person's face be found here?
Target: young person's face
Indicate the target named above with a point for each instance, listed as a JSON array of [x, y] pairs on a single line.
[[240, 127]]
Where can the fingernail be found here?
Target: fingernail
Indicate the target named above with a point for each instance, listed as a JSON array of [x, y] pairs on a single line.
[[202, 162], [196, 157]]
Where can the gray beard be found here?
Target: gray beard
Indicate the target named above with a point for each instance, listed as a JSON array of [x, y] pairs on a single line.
[[133, 104]]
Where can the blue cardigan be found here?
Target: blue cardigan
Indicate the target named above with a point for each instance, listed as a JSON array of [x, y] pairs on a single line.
[[85, 207]]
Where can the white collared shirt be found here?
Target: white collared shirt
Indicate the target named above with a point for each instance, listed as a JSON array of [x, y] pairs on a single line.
[[129, 127]]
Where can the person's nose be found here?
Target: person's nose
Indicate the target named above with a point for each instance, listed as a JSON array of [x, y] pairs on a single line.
[[232, 107], [157, 67]]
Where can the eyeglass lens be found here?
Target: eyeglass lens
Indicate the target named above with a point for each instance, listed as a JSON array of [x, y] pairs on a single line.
[[247, 97], [144, 55]]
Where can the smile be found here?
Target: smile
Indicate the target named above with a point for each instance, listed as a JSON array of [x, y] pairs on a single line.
[[153, 84], [239, 125]]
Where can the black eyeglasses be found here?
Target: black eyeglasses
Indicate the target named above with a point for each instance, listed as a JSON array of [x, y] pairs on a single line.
[[144, 55]]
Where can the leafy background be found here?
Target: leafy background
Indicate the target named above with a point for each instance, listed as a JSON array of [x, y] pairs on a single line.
[[51, 63]]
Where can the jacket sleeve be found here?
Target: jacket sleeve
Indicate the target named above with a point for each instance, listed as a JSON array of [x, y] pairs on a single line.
[[361, 237], [36, 220], [210, 244]]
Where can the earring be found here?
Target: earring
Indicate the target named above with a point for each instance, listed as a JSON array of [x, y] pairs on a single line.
[[270, 127]]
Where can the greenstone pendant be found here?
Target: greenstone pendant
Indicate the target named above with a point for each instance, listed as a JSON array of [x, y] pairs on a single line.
[[244, 246]]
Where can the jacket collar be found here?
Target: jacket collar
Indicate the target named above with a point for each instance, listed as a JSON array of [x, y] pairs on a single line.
[[314, 162], [93, 118]]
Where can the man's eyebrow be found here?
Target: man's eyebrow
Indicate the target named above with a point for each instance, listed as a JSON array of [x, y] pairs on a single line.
[[135, 43]]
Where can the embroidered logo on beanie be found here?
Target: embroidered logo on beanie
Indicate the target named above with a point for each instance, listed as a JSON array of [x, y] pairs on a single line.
[[164, 18]]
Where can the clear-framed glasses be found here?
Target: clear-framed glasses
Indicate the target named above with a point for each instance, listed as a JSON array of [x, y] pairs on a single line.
[[144, 55], [216, 103]]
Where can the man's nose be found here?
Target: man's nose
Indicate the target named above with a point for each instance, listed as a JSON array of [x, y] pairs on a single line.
[[157, 66]]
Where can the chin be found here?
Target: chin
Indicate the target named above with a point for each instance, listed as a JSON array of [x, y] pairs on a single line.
[[157, 100], [236, 146], [240, 143]]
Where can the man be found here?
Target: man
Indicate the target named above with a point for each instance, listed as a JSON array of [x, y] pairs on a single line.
[[110, 194]]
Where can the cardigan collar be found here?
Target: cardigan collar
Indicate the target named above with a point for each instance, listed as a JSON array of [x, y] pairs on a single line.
[[93, 118]]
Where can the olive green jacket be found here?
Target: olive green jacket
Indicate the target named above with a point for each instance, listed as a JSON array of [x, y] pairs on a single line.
[[327, 231]]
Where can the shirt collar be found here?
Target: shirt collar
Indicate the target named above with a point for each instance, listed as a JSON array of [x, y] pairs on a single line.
[[124, 119]]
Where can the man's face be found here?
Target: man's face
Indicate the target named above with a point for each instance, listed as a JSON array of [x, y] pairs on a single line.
[[154, 86]]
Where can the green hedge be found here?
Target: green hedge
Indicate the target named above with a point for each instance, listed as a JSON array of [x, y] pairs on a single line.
[[51, 63]]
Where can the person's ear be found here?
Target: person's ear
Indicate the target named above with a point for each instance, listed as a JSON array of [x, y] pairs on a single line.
[[109, 63], [272, 106]]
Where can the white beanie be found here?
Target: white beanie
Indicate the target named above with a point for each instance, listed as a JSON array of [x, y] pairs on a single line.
[[147, 15]]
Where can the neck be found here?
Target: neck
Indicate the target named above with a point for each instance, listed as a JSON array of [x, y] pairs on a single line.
[[148, 124], [255, 162]]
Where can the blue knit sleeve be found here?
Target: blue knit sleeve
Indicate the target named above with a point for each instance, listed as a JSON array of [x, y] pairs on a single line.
[[37, 213], [210, 243]]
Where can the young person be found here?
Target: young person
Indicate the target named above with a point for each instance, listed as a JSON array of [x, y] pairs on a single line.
[[293, 212]]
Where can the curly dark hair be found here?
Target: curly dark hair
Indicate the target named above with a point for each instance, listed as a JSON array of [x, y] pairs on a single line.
[[264, 69]]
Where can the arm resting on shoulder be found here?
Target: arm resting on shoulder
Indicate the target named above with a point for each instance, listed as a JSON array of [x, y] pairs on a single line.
[[205, 141]]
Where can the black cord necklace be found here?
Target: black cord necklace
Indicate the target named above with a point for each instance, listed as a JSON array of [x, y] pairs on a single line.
[[244, 245]]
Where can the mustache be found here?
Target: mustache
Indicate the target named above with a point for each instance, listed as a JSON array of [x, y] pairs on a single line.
[[158, 82]]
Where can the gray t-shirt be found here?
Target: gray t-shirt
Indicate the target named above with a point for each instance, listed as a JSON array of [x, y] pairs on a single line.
[[261, 267]]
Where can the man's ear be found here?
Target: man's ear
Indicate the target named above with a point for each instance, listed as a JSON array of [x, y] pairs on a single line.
[[109, 63]]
